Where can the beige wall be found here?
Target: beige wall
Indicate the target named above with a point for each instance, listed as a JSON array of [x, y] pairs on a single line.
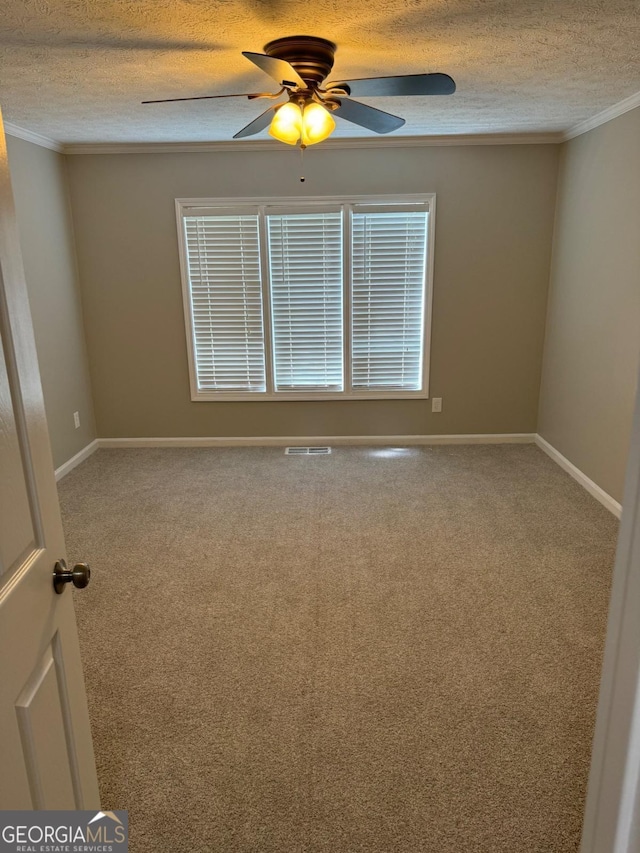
[[593, 329], [494, 225], [41, 196]]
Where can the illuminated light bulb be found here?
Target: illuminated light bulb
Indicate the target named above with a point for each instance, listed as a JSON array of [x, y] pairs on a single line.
[[287, 124], [317, 124]]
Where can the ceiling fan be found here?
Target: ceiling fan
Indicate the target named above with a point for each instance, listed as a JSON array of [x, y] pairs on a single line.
[[300, 65]]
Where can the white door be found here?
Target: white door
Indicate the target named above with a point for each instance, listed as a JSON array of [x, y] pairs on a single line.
[[45, 740]]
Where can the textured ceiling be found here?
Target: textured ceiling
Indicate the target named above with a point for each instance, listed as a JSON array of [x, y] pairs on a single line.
[[76, 70]]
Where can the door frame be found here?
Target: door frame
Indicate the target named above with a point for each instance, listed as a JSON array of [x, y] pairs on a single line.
[[612, 811]]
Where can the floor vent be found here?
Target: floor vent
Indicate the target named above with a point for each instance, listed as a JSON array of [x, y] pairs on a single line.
[[307, 451]]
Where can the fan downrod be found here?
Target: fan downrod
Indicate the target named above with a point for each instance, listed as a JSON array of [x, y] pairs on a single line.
[[312, 57]]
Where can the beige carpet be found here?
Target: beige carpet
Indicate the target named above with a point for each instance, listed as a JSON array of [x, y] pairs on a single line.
[[378, 650]]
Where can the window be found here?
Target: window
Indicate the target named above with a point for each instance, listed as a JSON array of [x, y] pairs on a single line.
[[313, 299]]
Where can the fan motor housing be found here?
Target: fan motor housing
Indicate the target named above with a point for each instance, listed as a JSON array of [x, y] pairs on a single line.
[[312, 57]]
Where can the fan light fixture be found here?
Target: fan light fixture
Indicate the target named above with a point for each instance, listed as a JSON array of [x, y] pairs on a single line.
[[301, 66], [306, 123]]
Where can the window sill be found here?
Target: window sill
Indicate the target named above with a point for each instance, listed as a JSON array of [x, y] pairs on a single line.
[[301, 396]]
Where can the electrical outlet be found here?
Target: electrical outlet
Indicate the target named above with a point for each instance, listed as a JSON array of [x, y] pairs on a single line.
[[76, 419], [436, 404]]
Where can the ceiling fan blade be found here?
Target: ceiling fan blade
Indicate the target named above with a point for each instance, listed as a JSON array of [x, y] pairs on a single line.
[[204, 98], [281, 70], [404, 84], [258, 124], [367, 116]]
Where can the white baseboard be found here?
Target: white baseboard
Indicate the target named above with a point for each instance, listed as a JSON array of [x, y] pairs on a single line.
[[292, 441], [593, 488], [72, 463]]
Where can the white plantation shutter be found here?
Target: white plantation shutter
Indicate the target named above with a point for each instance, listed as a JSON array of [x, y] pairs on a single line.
[[223, 265], [305, 270], [388, 297]]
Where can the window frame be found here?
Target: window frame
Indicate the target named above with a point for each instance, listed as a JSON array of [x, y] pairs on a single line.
[[297, 204]]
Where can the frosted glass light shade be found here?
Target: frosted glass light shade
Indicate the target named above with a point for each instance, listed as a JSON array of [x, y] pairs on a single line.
[[317, 124], [287, 124]]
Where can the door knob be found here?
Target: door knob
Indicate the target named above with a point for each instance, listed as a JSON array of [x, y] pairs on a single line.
[[79, 576]]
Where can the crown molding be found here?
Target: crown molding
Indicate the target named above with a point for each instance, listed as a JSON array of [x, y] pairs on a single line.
[[31, 136], [269, 145], [603, 117]]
